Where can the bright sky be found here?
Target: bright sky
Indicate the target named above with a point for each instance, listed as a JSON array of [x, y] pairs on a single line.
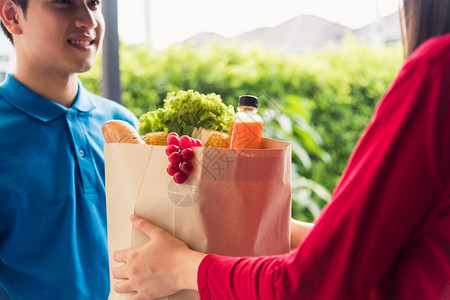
[[174, 21]]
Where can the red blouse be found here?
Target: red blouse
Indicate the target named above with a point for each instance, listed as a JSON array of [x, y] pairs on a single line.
[[386, 232]]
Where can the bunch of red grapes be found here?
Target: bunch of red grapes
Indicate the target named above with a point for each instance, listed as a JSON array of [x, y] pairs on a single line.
[[180, 154]]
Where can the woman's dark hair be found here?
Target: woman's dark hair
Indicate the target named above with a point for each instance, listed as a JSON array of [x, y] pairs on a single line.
[[423, 19], [24, 5]]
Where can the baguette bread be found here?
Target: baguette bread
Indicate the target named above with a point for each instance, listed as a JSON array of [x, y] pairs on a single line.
[[118, 131]]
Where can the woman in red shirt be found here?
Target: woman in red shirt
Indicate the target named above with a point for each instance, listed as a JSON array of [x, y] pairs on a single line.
[[385, 233]]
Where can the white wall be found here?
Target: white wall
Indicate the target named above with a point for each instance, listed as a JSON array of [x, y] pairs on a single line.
[[7, 56]]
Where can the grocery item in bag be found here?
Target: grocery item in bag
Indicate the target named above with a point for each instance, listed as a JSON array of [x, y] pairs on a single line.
[[247, 126]]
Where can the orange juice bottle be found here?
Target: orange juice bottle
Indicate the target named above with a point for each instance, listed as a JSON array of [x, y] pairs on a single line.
[[247, 127]]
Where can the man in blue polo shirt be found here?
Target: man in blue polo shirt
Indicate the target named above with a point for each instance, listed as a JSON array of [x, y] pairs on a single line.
[[53, 242]]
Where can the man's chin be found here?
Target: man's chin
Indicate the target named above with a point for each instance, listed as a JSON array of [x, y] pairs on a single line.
[[85, 67]]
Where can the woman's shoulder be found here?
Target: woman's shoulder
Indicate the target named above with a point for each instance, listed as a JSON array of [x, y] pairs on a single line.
[[432, 51]]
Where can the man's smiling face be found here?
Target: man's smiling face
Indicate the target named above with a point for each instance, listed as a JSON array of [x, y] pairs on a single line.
[[60, 35]]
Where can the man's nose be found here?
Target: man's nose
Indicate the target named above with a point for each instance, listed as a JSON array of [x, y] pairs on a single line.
[[85, 17]]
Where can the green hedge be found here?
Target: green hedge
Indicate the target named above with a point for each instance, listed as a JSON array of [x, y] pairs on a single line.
[[319, 101]]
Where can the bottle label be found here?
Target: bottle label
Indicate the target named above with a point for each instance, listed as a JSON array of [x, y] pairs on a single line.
[[246, 135]]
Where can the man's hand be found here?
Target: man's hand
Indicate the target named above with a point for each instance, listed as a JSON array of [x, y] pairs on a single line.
[[161, 267]]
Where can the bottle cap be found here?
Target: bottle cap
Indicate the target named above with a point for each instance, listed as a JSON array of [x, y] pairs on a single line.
[[248, 100]]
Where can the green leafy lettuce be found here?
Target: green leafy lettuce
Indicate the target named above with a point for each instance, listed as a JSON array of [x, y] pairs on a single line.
[[186, 110]]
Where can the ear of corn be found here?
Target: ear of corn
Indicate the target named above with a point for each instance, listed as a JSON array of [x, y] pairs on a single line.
[[155, 138], [212, 138], [218, 139]]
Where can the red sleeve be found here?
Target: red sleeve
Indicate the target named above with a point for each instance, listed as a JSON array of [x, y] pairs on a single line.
[[385, 233]]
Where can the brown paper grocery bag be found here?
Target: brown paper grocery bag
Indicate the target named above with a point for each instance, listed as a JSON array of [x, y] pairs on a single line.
[[236, 202]]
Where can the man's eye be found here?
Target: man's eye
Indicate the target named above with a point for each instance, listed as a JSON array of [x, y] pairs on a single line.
[[94, 3], [63, 1]]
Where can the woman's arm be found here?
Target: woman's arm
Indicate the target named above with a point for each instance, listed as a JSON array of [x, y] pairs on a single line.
[[299, 230], [165, 259]]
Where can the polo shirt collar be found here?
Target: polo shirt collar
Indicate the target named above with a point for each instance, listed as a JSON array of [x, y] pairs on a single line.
[[39, 107]]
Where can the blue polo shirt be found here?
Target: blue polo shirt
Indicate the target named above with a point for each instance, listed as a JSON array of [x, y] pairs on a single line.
[[53, 242]]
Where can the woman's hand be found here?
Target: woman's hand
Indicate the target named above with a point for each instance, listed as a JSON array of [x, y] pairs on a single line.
[[299, 230], [161, 267]]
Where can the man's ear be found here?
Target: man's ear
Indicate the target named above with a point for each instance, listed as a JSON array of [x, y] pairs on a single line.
[[9, 13]]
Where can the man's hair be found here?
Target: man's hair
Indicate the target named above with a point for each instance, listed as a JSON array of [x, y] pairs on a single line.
[[24, 5], [423, 19]]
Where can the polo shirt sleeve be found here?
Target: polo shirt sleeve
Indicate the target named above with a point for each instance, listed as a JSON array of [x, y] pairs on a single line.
[[390, 198]]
